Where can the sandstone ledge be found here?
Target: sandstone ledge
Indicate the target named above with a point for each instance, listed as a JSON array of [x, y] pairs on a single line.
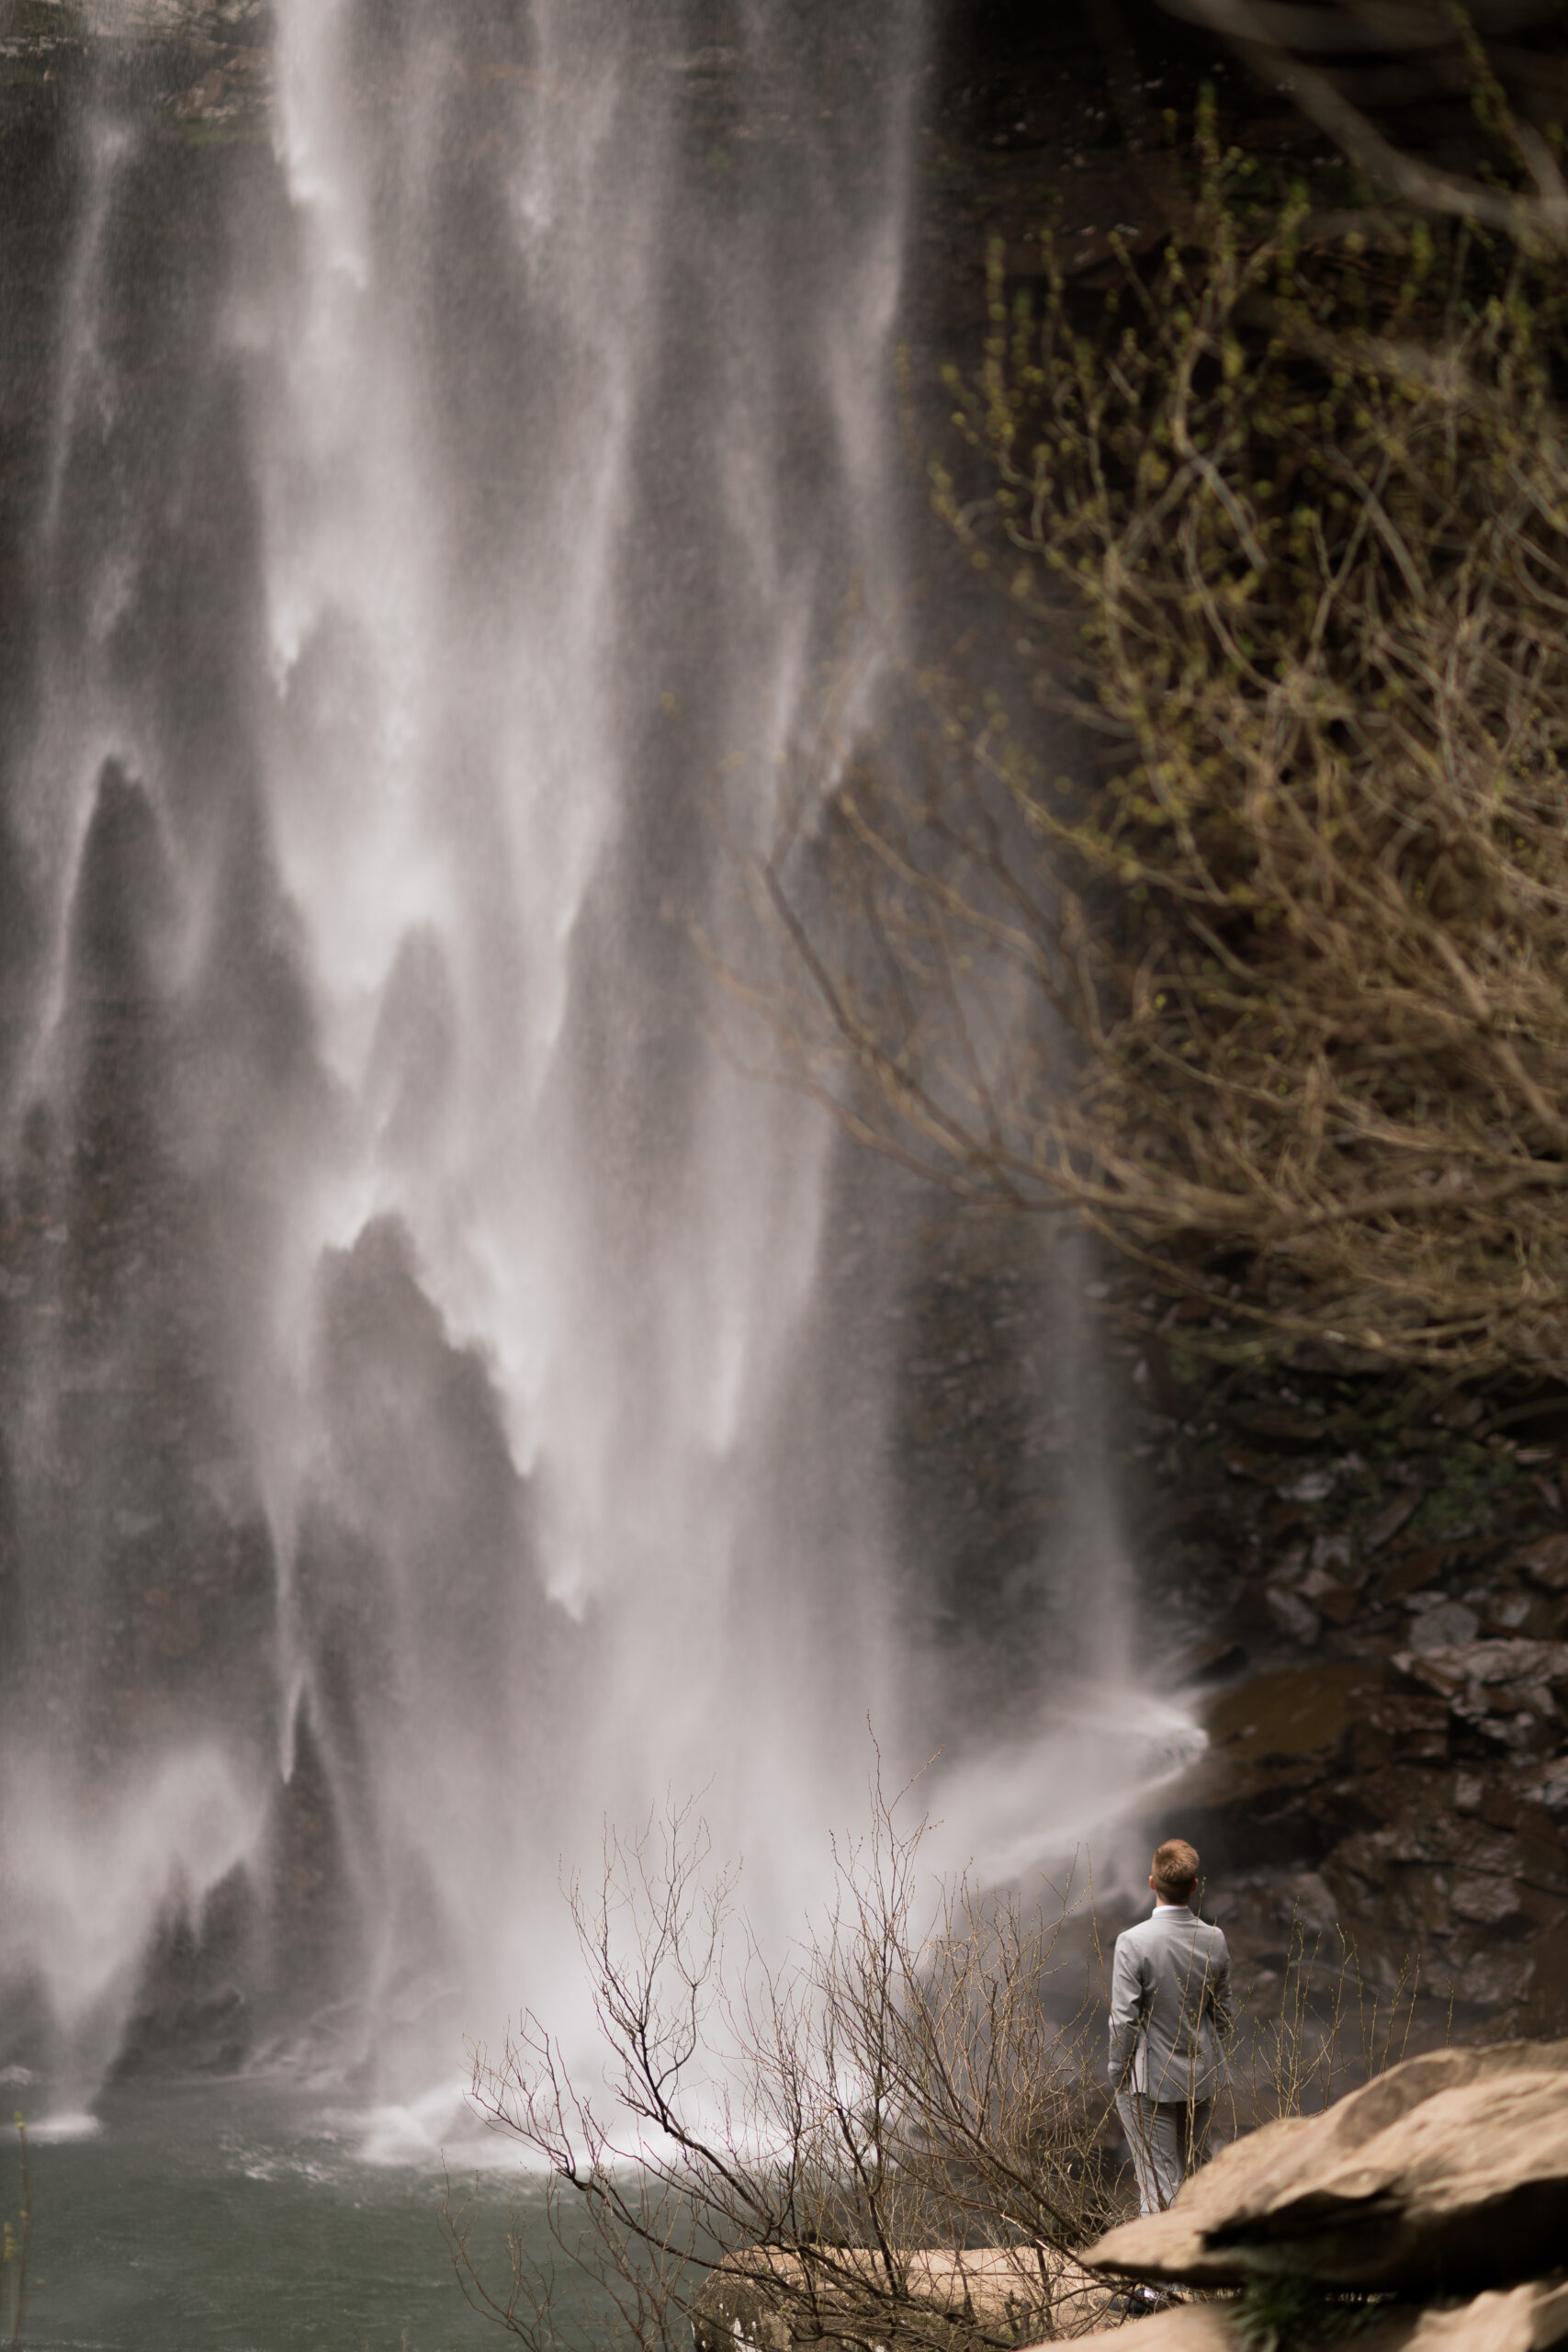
[[1448, 2172]]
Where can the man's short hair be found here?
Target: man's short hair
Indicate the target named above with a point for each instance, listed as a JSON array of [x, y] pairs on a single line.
[[1174, 1869]]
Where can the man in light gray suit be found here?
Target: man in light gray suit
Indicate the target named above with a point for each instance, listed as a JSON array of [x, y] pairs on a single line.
[[1170, 2000]]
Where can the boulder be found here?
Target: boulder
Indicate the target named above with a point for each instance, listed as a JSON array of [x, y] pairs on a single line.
[[1448, 2172], [1503, 1688], [1446, 1625], [1521, 2318]]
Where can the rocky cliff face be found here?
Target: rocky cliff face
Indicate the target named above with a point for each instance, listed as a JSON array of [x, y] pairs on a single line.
[[1392, 1560]]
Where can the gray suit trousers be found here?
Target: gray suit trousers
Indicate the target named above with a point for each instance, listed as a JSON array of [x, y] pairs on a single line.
[[1166, 2138]]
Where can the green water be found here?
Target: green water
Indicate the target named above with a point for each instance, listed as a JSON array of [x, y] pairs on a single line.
[[243, 2220]]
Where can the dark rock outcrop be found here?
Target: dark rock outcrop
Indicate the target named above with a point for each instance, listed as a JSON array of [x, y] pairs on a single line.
[[191, 2015]]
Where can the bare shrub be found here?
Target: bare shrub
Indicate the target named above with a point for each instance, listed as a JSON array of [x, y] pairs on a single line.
[[897, 2088], [902, 2136], [1326, 2028]]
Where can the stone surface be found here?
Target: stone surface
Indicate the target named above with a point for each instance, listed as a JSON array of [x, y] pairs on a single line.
[[1451, 1623], [1506, 1689], [1293, 1615], [1447, 2172], [763, 2296]]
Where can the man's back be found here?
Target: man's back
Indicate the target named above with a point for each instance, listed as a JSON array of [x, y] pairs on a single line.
[[1171, 1984]]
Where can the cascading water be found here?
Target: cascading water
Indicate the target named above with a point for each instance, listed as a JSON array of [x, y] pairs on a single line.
[[441, 1407]]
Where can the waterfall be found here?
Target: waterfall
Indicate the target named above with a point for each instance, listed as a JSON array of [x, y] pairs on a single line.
[[446, 1399]]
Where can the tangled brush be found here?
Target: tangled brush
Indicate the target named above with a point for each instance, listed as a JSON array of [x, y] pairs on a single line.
[[1272, 983]]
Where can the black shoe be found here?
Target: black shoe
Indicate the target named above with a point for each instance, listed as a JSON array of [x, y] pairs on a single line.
[[1135, 2302]]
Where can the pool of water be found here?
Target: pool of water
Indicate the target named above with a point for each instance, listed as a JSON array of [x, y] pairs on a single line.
[[240, 2218]]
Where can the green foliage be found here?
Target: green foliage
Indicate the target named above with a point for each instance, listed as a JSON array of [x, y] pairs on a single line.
[[1286, 2313], [1281, 523], [1306, 510]]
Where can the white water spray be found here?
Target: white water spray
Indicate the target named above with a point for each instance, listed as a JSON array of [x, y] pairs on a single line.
[[444, 1412]]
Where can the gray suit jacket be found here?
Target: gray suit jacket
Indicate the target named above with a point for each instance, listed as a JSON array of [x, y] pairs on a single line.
[[1170, 2000]]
